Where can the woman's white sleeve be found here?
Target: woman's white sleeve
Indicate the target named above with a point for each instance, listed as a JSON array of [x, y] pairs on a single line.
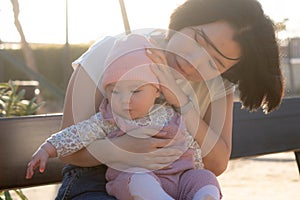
[[93, 60], [78, 136]]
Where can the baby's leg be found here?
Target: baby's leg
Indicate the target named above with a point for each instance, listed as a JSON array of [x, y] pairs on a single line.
[[199, 185], [145, 186], [208, 192]]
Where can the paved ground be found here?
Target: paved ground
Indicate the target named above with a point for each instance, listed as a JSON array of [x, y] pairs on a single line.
[[273, 176]]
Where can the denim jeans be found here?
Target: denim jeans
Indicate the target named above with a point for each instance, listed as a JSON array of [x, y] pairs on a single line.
[[83, 183]]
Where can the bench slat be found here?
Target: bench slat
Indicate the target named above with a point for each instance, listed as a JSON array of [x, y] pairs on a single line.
[[257, 133]]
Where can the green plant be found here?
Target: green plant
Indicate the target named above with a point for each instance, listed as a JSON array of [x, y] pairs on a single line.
[[12, 103], [7, 196]]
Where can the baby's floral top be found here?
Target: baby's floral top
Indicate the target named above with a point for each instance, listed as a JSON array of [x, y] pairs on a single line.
[[104, 124]]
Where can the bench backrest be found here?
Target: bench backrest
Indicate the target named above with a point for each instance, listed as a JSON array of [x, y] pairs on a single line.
[[19, 138], [256, 133], [253, 134]]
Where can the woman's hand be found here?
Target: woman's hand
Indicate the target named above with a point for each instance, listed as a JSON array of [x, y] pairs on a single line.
[[147, 144], [170, 89], [127, 152]]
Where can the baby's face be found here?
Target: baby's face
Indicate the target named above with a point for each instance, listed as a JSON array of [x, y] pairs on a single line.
[[131, 99]]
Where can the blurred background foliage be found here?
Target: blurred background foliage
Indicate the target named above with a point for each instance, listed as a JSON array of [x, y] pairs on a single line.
[[54, 64], [13, 101]]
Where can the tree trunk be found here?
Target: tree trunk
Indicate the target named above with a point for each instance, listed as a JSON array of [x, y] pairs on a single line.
[[125, 18], [27, 51]]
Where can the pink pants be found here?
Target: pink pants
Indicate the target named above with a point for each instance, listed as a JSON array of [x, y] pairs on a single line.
[[181, 186]]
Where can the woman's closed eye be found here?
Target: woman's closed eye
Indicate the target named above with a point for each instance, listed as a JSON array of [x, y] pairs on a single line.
[[202, 41], [201, 36], [212, 64], [199, 39]]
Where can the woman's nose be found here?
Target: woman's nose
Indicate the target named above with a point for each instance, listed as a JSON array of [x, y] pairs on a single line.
[[197, 58]]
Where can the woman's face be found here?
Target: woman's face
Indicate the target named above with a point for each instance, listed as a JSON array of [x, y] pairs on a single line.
[[203, 52]]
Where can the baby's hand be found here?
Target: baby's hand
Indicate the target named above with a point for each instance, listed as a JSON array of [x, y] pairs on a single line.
[[40, 158]]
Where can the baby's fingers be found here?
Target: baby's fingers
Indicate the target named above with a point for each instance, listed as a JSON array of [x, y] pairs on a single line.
[[43, 163], [30, 169], [33, 165]]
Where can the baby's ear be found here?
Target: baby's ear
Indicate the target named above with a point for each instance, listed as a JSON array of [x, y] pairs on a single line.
[[158, 93], [160, 99]]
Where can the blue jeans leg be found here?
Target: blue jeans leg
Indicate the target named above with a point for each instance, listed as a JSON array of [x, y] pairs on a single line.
[[83, 183]]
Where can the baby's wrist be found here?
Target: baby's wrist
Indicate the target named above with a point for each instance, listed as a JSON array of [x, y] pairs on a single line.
[[49, 148]]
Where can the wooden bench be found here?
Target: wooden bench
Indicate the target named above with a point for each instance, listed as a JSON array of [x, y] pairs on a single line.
[[253, 134]]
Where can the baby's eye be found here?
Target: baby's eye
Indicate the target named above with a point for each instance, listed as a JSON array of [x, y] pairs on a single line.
[[115, 92], [135, 91]]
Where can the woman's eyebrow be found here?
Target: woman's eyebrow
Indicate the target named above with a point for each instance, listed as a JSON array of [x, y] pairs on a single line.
[[208, 41]]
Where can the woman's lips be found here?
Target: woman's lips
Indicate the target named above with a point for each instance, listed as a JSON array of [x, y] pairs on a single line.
[[178, 66], [179, 69]]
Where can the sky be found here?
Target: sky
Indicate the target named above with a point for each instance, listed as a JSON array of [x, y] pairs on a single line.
[[43, 21]]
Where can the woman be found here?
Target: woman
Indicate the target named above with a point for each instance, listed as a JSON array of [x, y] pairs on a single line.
[[239, 46]]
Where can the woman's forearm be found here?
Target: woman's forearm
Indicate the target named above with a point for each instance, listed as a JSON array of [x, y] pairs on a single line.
[[213, 134], [81, 158], [216, 152]]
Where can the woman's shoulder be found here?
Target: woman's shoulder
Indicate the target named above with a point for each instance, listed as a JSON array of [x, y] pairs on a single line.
[[98, 48], [92, 61]]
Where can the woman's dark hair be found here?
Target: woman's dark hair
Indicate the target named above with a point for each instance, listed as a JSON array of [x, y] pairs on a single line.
[[257, 73]]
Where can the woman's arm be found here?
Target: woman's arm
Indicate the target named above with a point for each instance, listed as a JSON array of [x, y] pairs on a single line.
[[80, 95], [214, 133]]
